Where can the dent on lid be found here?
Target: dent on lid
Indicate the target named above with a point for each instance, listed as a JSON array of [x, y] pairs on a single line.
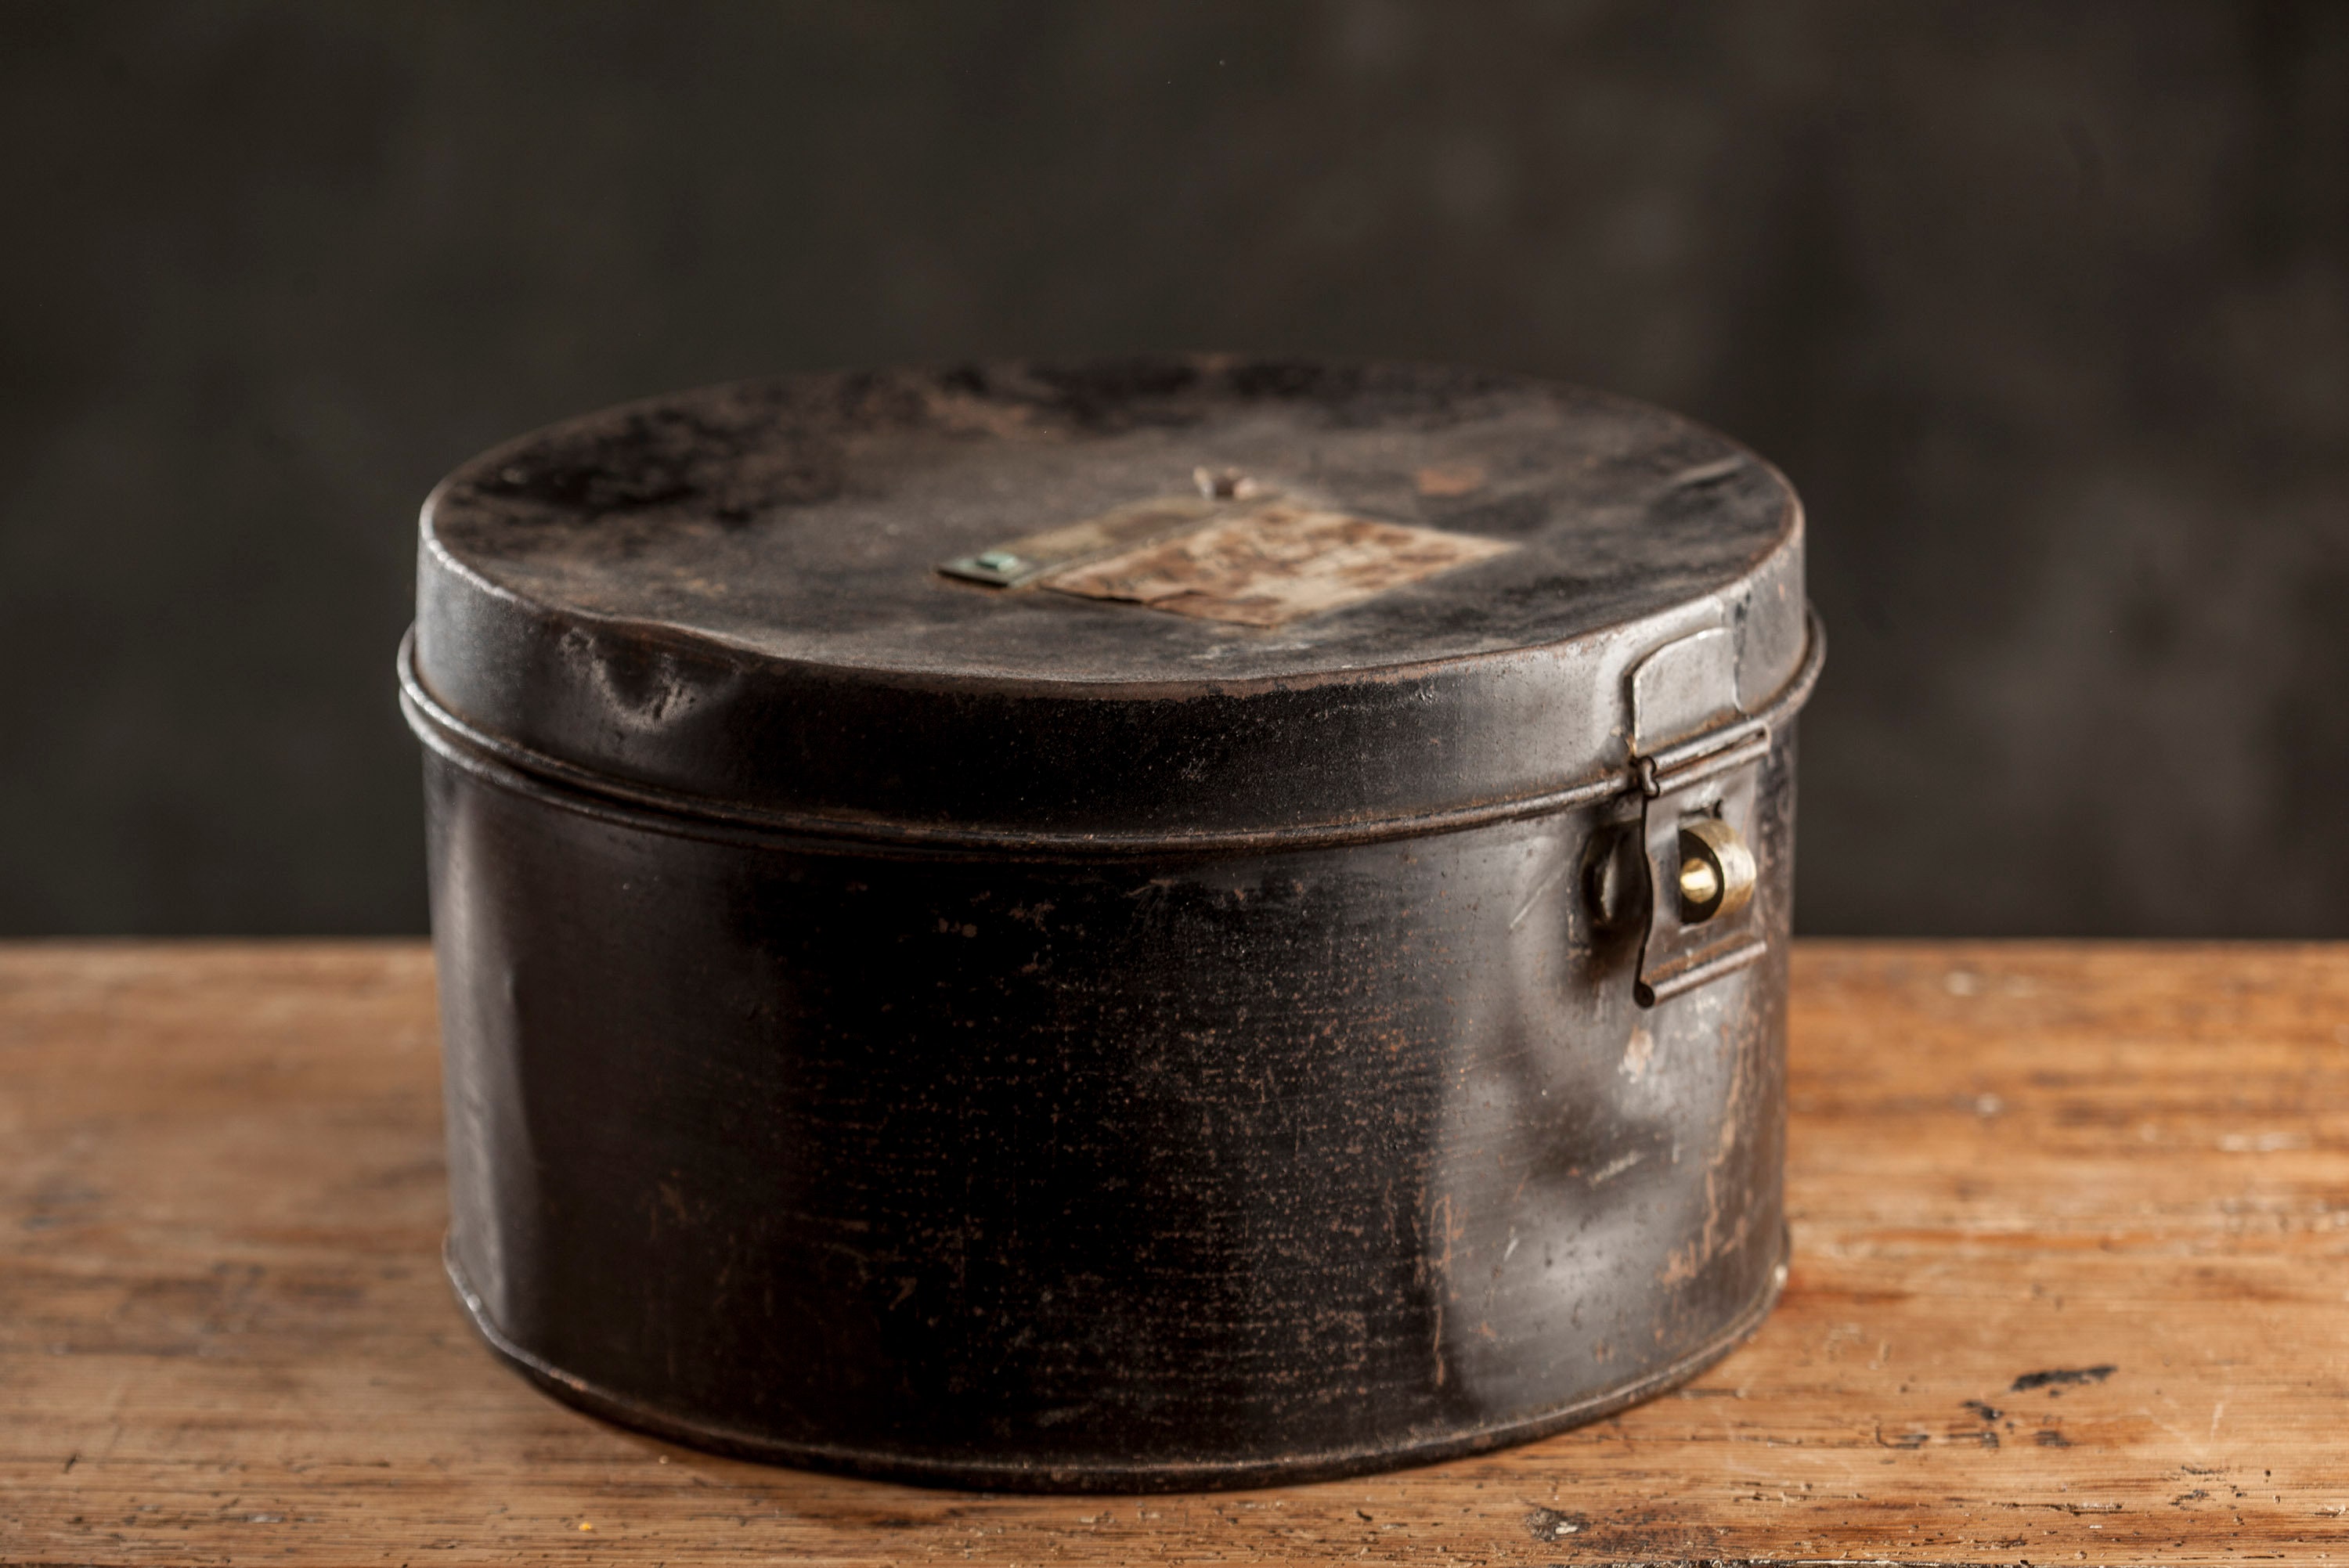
[[1292, 519]]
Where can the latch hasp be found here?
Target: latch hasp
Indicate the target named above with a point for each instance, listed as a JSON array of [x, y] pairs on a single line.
[[1697, 755]]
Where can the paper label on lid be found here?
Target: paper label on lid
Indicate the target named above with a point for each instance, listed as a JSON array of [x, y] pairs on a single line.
[[1273, 562]]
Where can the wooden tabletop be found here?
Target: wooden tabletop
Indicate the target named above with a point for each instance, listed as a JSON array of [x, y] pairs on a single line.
[[2071, 1283]]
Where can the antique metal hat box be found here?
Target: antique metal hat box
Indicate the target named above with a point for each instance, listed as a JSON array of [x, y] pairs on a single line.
[[1117, 926]]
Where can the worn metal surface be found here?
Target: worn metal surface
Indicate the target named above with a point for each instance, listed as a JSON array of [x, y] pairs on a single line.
[[994, 1037]]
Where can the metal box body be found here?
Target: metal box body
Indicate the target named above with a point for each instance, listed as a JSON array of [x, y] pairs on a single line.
[[1036, 1077]]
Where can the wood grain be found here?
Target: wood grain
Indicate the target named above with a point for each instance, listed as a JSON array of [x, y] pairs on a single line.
[[224, 1335]]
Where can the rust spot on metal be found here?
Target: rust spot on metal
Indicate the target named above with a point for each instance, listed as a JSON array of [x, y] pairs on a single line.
[[1451, 479]]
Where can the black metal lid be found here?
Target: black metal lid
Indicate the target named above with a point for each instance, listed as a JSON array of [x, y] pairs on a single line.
[[1248, 599]]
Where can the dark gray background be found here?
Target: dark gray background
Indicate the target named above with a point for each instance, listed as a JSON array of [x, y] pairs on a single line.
[[2043, 307]]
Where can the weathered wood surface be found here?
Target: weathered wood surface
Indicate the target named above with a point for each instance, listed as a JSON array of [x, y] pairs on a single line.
[[2072, 1283]]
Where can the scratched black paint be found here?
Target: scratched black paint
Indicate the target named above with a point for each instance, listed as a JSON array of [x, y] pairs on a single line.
[[2060, 1376], [1237, 1084]]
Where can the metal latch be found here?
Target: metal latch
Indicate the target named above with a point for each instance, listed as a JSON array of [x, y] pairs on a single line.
[[1699, 764]]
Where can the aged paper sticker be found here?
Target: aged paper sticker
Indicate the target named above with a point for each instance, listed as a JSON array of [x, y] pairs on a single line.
[[1031, 556], [1273, 562]]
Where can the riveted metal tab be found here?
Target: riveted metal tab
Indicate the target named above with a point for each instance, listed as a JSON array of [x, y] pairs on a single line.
[[1698, 761]]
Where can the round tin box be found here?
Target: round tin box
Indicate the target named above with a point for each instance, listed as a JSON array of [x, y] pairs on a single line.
[[1130, 925]]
